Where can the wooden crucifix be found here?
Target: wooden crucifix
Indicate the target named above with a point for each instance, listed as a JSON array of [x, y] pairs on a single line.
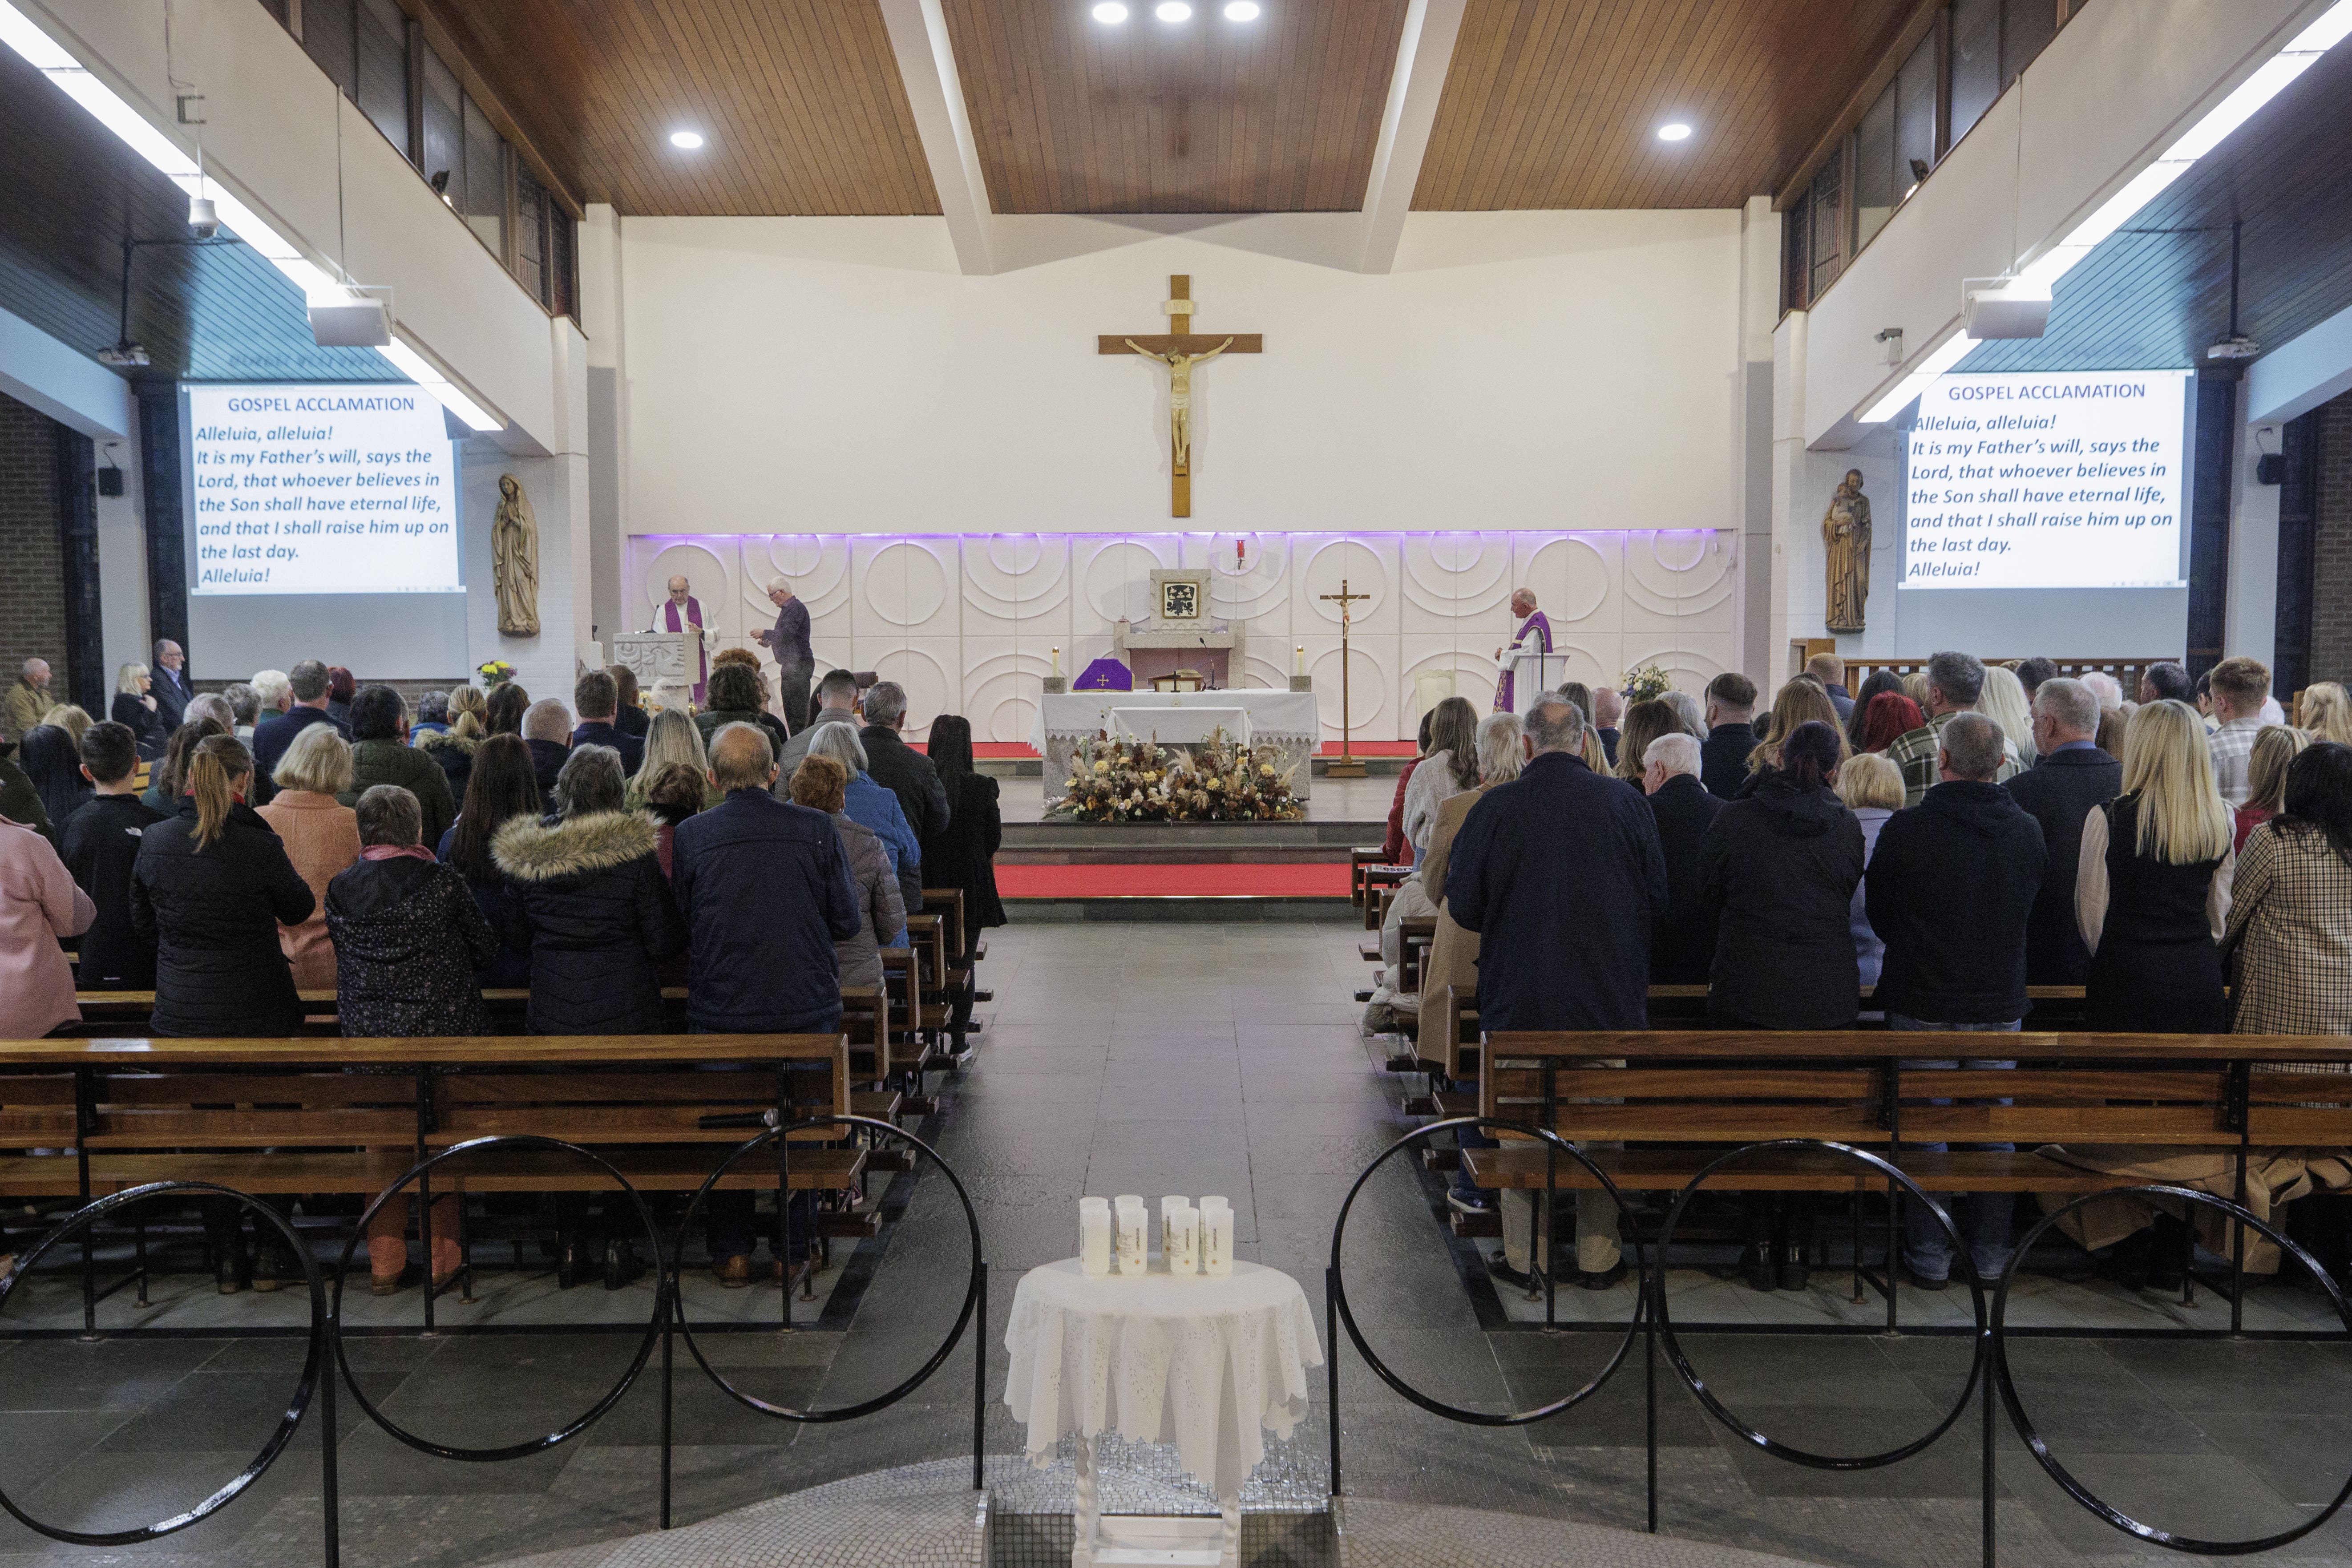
[[1346, 766], [1180, 350]]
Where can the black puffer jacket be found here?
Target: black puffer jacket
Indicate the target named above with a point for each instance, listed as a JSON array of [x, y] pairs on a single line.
[[1952, 885], [408, 938], [1777, 874], [214, 914], [591, 901], [455, 755]]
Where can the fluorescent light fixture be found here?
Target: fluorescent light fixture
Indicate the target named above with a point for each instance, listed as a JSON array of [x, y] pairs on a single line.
[[1675, 130], [105, 106], [1242, 11], [686, 141], [421, 371], [2270, 79], [1172, 11], [1945, 354], [1111, 13]]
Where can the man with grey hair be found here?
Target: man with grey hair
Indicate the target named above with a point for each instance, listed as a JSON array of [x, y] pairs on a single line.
[[1955, 682], [2070, 776], [171, 689], [244, 706], [1950, 888], [29, 700], [1560, 874], [275, 690], [902, 770], [1608, 707], [1684, 949], [306, 687], [547, 731], [789, 641]]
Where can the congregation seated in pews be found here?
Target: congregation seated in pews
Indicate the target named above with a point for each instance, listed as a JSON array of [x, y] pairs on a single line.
[[558, 945], [1958, 858]]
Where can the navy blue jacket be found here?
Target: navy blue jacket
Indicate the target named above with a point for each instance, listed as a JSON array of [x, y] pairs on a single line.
[[765, 887], [600, 732], [1952, 888], [1560, 874]]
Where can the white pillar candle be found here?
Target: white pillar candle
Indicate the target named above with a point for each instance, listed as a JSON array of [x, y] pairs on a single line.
[[1216, 1237], [1184, 1253], [1169, 1207], [1133, 1236], [1093, 1237], [1300, 665], [1057, 660]]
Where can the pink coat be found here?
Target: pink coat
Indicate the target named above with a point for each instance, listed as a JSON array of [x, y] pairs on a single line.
[[38, 904], [322, 838]]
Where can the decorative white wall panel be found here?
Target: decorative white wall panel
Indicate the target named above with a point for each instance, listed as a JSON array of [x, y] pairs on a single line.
[[970, 623]]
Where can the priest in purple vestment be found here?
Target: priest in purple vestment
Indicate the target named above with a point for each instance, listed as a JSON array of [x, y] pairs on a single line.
[[682, 611], [1534, 636]]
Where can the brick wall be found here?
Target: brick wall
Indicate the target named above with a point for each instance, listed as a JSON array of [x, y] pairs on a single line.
[[32, 570], [2331, 595]]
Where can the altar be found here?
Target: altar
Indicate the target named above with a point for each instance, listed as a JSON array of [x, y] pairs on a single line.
[[1287, 721]]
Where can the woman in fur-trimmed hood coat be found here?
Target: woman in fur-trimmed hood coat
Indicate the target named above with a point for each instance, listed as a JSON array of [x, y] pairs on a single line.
[[589, 896]]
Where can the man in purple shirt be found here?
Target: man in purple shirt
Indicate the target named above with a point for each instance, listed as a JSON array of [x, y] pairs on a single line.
[[789, 641], [1535, 636]]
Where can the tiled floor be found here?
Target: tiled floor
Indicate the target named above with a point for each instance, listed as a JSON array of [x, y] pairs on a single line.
[[1194, 1058]]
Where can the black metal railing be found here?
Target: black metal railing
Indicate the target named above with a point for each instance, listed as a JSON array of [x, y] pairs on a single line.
[[325, 1353], [1988, 1377]]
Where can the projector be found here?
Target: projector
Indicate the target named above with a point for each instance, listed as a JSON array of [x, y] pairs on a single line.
[[1987, 311], [2237, 347], [363, 320]]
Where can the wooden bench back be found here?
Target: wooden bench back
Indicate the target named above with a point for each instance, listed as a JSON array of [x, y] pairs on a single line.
[[266, 1107], [36, 1110]]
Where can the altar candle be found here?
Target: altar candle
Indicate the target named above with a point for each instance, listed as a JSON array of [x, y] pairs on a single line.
[[1300, 666], [1057, 661], [1216, 1239], [1093, 1237], [1133, 1236], [1184, 1252]]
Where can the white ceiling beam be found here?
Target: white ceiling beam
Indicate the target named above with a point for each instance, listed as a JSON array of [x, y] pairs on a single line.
[[919, 36], [1424, 52]]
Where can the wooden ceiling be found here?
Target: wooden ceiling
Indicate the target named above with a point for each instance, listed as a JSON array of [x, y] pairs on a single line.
[[801, 102], [1278, 115], [1549, 103], [2152, 300], [1556, 103]]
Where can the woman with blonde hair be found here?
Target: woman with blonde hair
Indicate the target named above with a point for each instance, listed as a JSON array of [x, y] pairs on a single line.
[[2003, 701], [670, 739], [1802, 702], [2152, 893], [2326, 709], [134, 708], [1914, 686], [321, 837], [2275, 746], [455, 746], [1643, 723], [1872, 787]]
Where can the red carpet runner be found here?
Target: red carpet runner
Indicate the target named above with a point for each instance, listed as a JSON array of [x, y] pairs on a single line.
[[1173, 881]]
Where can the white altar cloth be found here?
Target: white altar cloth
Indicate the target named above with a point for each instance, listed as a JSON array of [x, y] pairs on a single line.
[[1287, 720], [1207, 1364], [1186, 726]]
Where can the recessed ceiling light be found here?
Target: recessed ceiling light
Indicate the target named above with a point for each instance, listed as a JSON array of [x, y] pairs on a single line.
[[1111, 13], [1675, 131], [686, 140], [1172, 11], [1242, 11]]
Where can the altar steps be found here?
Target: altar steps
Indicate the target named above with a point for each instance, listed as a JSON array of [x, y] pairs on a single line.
[[1065, 842], [1134, 889]]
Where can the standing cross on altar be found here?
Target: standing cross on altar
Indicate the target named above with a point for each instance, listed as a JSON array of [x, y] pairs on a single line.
[[682, 611], [1345, 765]]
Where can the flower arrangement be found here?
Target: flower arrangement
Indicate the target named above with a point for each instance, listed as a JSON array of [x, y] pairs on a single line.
[[1646, 683], [495, 674], [1121, 780]]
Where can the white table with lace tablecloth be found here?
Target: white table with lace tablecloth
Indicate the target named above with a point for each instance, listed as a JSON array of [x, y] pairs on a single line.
[[1209, 1365], [1288, 721]]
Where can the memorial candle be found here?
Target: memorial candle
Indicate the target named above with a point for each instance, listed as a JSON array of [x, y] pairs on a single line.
[[1093, 1237], [1169, 1207], [1132, 1235], [1216, 1236], [1184, 1248]]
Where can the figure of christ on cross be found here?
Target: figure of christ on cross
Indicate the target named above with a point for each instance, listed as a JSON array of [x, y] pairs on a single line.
[[1180, 351], [1345, 765]]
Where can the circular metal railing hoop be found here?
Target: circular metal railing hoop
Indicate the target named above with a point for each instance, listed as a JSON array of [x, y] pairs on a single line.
[[612, 1397], [305, 1389], [947, 1346], [1716, 1407], [2065, 1478], [1438, 1408]]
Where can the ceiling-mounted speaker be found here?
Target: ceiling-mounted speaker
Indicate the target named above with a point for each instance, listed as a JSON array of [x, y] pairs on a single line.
[[110, 482], [361, 320], [2269, 469], [1988, 310]]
